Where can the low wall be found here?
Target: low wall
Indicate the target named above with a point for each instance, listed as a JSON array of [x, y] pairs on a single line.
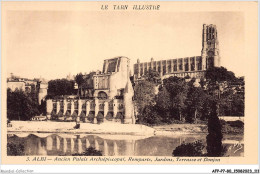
[[232, 118]]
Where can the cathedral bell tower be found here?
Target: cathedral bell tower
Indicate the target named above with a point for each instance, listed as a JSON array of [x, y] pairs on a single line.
[[210, 47]]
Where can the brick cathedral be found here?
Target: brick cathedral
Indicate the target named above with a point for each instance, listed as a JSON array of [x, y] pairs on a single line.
[[188, 66]]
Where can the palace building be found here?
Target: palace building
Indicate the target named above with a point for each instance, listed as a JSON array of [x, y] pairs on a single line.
[[112, 97], [188, 66]]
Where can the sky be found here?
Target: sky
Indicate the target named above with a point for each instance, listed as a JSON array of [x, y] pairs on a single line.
[[51, 44]]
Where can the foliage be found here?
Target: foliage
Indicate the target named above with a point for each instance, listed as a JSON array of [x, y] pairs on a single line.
[[15, 149], [178, 89], [150, 116], [164, 105], [88, 81], [85, 84], [21, 105], [91, 151], [228, 129], [231, 103], [219, 74], [237, 123], [214, 138], [144, 95], [202, 83], [42, 107], [197, 99], [60, 87], [227, 90], [181, 99], [222, 122], [79, 80], [153, 76], [189, 149]]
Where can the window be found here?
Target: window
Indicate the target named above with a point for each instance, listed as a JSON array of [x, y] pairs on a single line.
[[102, 95]]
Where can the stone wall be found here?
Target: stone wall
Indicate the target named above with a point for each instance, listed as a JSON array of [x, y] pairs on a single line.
[[171, 67], [84, 110]]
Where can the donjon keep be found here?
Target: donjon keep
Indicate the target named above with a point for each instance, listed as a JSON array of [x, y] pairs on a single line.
[[112, 94]]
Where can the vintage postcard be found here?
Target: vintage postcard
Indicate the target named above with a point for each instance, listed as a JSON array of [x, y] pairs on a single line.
[[129, 83]]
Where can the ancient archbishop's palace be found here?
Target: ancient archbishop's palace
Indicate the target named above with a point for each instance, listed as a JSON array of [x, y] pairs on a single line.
[[112, 98]]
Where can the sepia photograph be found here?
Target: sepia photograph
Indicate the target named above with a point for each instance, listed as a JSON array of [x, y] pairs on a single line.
[[129, 83]]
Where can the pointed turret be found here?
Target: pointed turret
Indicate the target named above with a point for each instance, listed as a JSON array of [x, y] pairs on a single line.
[[129, 88], [128, 103]]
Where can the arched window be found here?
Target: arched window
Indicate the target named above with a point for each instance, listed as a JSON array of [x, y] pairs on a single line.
[[102, 95]]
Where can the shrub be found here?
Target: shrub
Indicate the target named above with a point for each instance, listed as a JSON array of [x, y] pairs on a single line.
[[189, 149], [15, 149], [227, 129], [222, 122], [237, 123], [91, 151]]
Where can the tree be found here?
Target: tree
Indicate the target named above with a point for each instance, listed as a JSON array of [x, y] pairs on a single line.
[[88, 81], [79, 80], [227, 90], [214, 138], [195, 102], [219, 74], [60, 87], [238, 105], [231, 103], [150, 116], [87, 87], [163, 100], [20, 105], [33, 93], [196, 99], [178, 90], [144, 95], [164, 105]]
